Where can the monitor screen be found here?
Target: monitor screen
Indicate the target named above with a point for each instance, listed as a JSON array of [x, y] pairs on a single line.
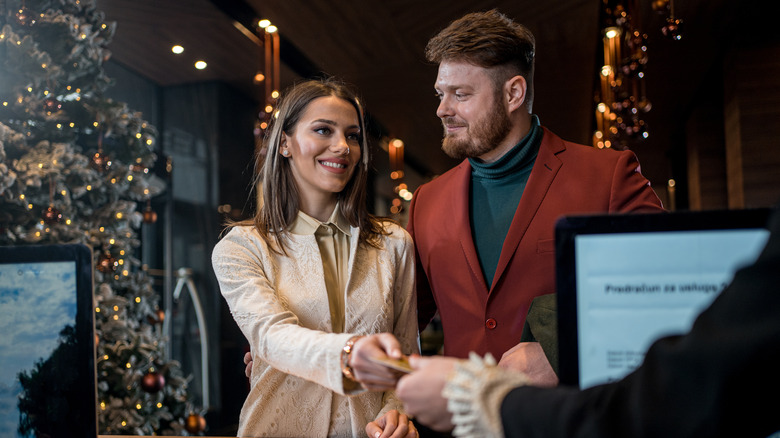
[[47, 347], [627, 281]]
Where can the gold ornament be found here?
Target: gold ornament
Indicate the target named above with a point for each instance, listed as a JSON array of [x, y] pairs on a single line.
[[149, 215], [195, 423]]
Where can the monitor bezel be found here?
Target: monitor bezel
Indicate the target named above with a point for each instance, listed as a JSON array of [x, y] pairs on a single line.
[[567, 228], [85, 320]]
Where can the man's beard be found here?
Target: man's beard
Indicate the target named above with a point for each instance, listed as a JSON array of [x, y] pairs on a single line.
[[480, 137]]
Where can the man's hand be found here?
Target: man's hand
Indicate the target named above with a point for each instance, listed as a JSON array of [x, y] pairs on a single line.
[[392, 425], [421, 391], [374, 376], [248, 363], [529, 358]]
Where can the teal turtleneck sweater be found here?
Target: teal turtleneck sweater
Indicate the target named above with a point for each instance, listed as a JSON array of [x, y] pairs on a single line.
[[496, 189]]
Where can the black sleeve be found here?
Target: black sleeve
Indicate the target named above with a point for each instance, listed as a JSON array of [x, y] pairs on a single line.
[[722, 379]]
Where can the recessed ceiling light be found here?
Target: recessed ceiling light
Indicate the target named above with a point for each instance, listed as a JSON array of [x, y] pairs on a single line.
[[177, 49], [200, 65]]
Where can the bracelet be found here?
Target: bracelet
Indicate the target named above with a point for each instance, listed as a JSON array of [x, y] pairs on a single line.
[[346, 353]]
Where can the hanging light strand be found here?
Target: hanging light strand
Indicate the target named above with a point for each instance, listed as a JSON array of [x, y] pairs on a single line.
[[620, 96]]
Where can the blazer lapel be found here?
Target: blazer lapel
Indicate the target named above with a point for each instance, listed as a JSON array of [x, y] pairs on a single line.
[[542, 175], [461, 221]]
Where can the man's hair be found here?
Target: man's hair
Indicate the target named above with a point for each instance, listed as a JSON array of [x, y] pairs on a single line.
[[279, 203], [490, 40]]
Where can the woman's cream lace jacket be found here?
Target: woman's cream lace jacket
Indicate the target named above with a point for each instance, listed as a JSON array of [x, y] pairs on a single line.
[[281, 305]]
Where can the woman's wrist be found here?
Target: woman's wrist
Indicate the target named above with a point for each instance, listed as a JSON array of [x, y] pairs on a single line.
[[346, 356]]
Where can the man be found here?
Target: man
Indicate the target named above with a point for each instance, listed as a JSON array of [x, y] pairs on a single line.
[[483, 231], [718, 380]]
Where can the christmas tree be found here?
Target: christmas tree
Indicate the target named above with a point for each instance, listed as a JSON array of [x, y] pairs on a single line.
[[76, 167]]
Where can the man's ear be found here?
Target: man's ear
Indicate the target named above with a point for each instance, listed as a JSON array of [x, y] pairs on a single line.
[[515, 89]]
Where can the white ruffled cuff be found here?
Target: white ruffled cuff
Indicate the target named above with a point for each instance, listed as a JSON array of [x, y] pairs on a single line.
[[474, 391]]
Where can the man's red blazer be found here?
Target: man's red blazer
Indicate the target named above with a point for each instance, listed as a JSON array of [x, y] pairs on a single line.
[[567, 178]]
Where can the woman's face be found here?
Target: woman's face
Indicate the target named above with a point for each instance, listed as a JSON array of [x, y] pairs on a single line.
[[323, 149]]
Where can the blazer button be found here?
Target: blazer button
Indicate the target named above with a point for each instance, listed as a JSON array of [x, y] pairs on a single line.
[[490, 323]]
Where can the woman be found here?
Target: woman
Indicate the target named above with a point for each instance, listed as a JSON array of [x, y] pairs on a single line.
[[312, 272]]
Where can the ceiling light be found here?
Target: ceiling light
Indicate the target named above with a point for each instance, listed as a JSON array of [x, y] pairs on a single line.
[[177, 49], [200, 65], [271, 29], [264, 23]]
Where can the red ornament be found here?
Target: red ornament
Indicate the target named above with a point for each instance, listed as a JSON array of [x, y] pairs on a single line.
[[51, 105], [100, 162], [195, 423], [51, 216], [150, 216], [152, 382], [106, 262]]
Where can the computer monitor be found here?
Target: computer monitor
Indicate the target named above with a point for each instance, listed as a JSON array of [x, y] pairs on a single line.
[[623, 281], [47, 342]]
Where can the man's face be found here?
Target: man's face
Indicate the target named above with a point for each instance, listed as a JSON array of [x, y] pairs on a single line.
[[472, 110]]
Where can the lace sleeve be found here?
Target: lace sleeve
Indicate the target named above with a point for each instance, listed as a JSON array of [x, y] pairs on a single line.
[[474, 393]]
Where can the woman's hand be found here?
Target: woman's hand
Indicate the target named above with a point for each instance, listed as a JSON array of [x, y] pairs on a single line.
[[392, 425], [374, 376]]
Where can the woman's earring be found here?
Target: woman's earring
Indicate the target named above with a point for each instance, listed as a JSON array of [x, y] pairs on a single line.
[[285, 152]]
